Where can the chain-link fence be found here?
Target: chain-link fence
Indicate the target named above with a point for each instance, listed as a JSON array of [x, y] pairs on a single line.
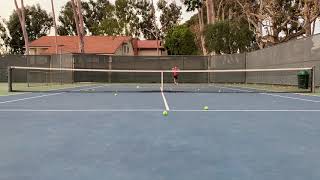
[[294, 54], [298, 53], [136, 63]]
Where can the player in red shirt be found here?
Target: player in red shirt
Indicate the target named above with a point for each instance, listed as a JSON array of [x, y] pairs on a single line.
[[175, 73]]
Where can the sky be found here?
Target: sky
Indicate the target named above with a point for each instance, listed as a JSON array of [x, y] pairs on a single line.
[[7, 7]]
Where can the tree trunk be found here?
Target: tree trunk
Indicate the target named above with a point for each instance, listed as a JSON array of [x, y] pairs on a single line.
[[74, 9], [210, 11], [26, 38], [201, 27], [313, 27], [22, 19], [76, 19], [307, 22], [55, 26], [81, 26]]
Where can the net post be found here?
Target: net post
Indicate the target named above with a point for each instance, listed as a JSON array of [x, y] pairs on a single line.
[[313, 81], [9, 79], [161, 81], [208, 68]]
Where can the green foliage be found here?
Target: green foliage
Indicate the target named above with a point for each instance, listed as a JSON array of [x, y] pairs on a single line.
[[180, 41], [97, 15], [147, 21], [67, 23], [3, 37], [192, 21], [38, 24], [170, 15], [192, 5], [109, 26], [228, 37], [126, 16]]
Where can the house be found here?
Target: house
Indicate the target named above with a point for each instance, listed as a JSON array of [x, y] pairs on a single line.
[[149, 48], [103, 45], [99, 45]]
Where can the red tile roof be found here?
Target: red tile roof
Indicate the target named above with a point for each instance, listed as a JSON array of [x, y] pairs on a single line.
[[92, 44], [149, 44]]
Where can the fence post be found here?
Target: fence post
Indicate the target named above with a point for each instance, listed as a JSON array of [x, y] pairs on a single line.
[[161, 81], [9, 79], [209, 67], [245, 67], [110, 68], [28, 65], [313, 80]]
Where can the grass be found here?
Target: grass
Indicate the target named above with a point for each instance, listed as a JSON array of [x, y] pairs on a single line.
[[317, 92], [4, 90], [23, 87], [274, 88]]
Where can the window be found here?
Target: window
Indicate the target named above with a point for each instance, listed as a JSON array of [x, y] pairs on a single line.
[[126, 49]]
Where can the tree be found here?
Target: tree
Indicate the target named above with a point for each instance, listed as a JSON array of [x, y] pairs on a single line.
[[77, 14], [180, 41], [109, 26], [38, 24], [278, 21], [3, 37], [22, 19], [127, 18], [170, 15], [222, 10], [193, 25], [193, 5], [99, 19], [145, 12], [95, 13], [227, 37], [55, 26], [66, 18]]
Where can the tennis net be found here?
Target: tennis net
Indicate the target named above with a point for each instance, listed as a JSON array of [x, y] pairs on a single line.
[[38, 79]]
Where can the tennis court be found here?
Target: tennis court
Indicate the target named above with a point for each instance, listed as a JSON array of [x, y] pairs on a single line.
[[98, 132]]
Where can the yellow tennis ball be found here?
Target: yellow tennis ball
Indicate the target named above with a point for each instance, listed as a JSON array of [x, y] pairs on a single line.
[[115, 94], [206, 108], [165, 113]]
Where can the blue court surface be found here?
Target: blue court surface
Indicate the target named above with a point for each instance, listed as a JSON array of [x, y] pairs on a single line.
[[81, 136]]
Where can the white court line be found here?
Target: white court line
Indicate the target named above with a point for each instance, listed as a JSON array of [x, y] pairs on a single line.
[[45, 95], [159, 110], [81, 110], [235, 89], [34, 97], [288, 97], [248, 110], [164, 100], [275, 95]]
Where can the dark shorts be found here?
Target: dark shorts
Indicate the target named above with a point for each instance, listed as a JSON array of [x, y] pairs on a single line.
[[175, 77]]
